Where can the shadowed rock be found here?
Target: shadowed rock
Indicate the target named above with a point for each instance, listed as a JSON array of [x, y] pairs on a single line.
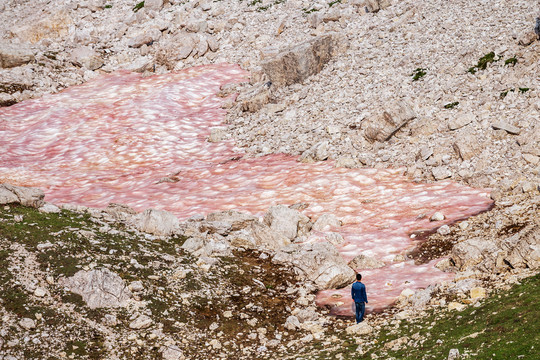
[[13, 56], [299, 62]]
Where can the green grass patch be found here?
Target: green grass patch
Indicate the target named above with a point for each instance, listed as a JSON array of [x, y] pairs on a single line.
[[334, 2], [505, 326]]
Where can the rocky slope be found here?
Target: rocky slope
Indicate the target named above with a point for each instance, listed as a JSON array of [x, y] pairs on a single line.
[[440, 89]]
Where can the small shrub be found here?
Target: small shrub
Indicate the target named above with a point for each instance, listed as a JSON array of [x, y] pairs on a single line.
[[418, 74], [512, 61], [523, 90], [138, 7], [334, 2], [483, 62], [451, 105], [309, 11]]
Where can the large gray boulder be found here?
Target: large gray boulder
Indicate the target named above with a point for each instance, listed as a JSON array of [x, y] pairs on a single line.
[[299, 62], [157, 222], [15, 55], [319, 262], [384, 125], [258, 235], [99, 288], [26, 196], [289, 222]]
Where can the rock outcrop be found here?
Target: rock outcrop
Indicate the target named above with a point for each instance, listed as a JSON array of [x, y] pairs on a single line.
[[99, 288], [301, 61], [157, 222], [384, 125], [319, 262], [289, 222], [26, 196], [13, 56], [521, 250]]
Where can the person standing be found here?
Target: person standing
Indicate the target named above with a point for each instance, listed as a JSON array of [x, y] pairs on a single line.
[[358, 293]]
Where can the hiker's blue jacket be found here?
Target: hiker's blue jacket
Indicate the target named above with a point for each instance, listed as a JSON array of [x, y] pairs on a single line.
[[358, 292]]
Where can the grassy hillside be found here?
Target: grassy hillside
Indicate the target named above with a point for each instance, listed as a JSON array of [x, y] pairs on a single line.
[[505, 326]]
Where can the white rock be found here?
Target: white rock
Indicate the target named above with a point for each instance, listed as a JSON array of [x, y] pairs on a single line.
[[444, 230], [157, 222], [326, 221], [27, 324], [172, 352], [142, 322], [98, 288], [362, 328], [438, 216], [40, 292]]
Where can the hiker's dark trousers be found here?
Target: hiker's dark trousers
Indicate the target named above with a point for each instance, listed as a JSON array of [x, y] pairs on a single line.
[[360, 311]]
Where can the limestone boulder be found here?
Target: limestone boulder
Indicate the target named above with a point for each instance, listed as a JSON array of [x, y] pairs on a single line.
[[521, 250], [362, 328], [99, 288], [381, 127], [475, 253], [157, 222], [255, 98], [172, 352], [144, 37], [326, 221], [207, 246], [25, 196], [85, 56], [15, 55], [259, 235], [365, 262], [297, 63], [236, 219], [289, 222], [318, 262]]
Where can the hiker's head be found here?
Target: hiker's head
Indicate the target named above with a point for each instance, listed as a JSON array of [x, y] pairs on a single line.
[[358, 277]]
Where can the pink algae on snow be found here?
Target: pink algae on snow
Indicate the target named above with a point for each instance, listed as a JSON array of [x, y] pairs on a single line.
[[116, 137]]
